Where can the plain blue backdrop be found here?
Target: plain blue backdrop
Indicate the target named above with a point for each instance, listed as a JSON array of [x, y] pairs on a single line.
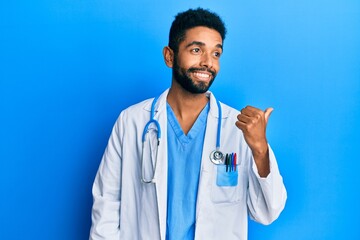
[[68, 67]]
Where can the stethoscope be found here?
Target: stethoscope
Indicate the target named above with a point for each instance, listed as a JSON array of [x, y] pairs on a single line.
[[216, 156]]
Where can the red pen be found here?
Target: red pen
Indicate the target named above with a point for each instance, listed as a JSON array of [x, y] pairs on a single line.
[[235, 161]]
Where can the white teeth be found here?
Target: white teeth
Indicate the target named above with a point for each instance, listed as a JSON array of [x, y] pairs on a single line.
[[203, 75]]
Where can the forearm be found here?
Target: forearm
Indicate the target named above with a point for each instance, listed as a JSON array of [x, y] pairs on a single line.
[[262, 161]]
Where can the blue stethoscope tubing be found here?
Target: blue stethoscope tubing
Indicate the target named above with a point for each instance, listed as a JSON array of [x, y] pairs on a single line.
[[216, 156], [152, 120]]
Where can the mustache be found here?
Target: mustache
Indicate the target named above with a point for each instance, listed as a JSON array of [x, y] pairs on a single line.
[[202, 70]]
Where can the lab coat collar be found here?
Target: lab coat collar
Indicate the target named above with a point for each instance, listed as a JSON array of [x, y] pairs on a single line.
[[214, 111], [160, 104]]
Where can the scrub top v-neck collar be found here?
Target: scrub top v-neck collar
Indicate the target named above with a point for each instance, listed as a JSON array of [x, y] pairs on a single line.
[[195, 129]]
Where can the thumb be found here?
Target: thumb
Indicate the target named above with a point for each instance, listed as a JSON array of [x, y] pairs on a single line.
[[267, 113]]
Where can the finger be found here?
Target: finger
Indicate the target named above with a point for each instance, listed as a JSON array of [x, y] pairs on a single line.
[[267, 113], [242, 126], [244, 118], [248, 110], [251, 111]]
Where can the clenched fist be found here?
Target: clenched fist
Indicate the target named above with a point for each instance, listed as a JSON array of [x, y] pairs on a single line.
[[252, 122]]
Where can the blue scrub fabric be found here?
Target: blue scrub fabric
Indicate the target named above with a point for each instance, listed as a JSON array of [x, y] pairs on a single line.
[[184, 160]]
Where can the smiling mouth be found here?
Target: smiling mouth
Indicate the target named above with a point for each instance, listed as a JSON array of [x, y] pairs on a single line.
[[203, 76]]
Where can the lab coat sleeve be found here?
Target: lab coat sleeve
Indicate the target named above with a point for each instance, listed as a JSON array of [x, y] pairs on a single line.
[[266, 196], [106, 191]]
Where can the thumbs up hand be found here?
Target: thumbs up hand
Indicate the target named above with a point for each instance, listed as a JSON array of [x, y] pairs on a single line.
[[252, 122]]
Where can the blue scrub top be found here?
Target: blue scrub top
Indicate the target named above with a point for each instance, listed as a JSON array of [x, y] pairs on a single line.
[[184, 160]]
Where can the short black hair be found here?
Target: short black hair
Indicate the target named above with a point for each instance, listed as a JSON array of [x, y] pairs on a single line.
[[190, 19]]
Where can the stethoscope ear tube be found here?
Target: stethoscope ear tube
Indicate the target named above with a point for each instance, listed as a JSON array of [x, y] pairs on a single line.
[[146, 130], [216, 156], [218, 134]]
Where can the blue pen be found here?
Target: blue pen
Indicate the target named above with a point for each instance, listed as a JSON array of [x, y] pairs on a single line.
[[229, 162]]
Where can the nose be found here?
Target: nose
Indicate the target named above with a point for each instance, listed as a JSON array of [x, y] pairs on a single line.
[[206, 60]]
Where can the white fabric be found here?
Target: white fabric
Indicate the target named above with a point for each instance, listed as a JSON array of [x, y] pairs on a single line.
[[125, 208]]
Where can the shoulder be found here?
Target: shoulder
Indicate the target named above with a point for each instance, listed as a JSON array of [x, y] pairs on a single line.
[[138, 107], [228, 111], [136, 111]]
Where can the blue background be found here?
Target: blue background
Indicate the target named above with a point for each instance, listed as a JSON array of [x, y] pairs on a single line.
[[68, 67]]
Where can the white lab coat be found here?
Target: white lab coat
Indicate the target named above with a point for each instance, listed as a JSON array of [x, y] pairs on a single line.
[[126, 208]]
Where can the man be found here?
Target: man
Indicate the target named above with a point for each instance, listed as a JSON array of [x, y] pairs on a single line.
[[180, 188]]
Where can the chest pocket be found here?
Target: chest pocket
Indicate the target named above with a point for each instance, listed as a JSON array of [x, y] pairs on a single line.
[[228, 186]]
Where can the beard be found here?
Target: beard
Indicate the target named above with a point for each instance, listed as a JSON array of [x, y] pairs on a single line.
[[182, 76]]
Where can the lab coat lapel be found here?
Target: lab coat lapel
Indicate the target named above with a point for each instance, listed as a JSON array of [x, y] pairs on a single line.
[[210, 134], [160, 176], [203, 229]]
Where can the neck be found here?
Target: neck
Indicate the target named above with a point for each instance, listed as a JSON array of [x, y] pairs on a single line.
[[183, 102], [186, 106]]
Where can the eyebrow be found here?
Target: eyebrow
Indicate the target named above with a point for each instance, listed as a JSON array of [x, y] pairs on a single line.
[[197, 43]]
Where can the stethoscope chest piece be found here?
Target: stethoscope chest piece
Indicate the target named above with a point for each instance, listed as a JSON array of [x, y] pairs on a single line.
[[217, 157]]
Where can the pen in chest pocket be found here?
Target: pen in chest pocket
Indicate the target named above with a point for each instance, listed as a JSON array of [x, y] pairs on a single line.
[[230, 162]]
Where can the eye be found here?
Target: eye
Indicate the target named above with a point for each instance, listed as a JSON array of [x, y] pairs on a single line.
[[196, 50], [217, 54]]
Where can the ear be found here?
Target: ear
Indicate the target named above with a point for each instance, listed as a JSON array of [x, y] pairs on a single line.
[[168, 54]]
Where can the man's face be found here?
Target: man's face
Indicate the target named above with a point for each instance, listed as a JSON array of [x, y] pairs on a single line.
[[196, 64]]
